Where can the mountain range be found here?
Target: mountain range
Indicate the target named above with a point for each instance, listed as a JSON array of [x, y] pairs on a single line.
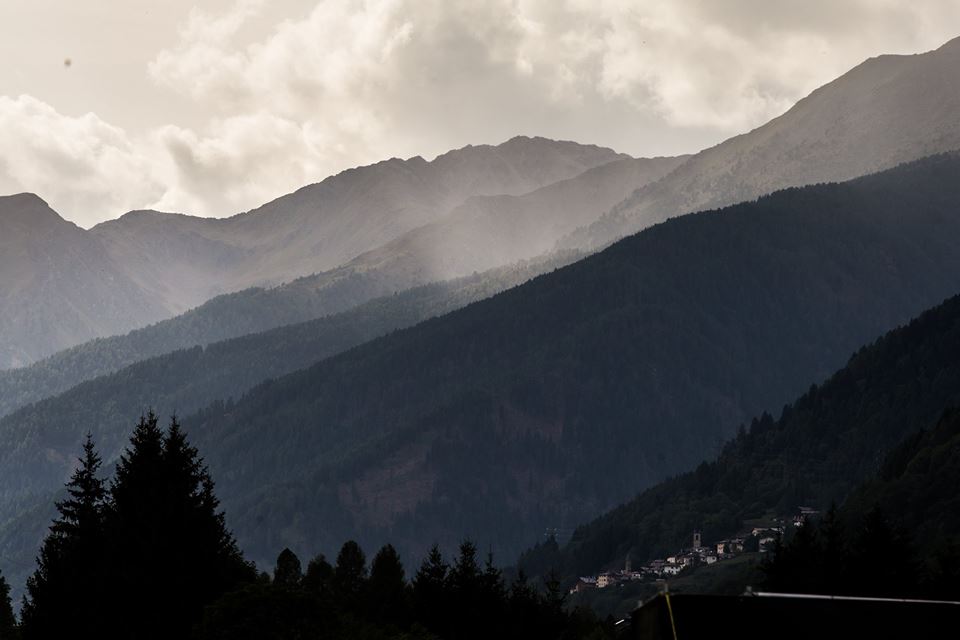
[[888, 110], [493, 420], [185, 260], [366, 222], [148, 266], [516, 338], [56, 285], [882, 430]]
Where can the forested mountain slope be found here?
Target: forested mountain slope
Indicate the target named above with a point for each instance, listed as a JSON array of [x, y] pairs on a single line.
[[190, 379], [184, 260], [917, 483], [897, 535], [187, 380], [62, 285], [485, 233], [495, 419], [826, 443], [56, 286], [553, 401], [887, 110]]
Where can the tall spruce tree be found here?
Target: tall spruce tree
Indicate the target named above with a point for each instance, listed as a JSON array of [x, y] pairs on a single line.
[[430, 594], [465, 586], [387, 594], [319, 576], [8, 623], [350, 575], [171, 553], [65, 591], [287, 572]]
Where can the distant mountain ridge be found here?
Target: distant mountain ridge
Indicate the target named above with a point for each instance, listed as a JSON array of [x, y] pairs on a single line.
[[56, 285], [288, 308], [187, 260], [493, 420], [486, 232], [147, 266], [827, 442], [638, 360], [381, 218], [888, 110]]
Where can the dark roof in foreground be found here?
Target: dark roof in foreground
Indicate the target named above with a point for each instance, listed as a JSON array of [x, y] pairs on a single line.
[[790, 616]]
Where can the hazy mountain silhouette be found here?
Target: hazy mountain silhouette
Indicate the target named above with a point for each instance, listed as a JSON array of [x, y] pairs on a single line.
[[230, 367], [484, 233], [887, 110], [489, 231], [56, 285], [823, 445], [186, 260], [494, 420], [148, 266]]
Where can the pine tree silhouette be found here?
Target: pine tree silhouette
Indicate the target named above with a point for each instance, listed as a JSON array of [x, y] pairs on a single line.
[[319, 576], [65, 590], [8, 623], [171, 551], [287, 571], [387, 589], [430, 595], [350, 575]]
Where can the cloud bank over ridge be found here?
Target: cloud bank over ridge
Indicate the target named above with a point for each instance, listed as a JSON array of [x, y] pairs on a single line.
[[348, 82]]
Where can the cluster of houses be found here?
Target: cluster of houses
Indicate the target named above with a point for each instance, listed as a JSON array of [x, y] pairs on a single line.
[[761, 538]]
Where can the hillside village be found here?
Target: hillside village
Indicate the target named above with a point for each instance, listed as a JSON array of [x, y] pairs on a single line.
[[761, 539]]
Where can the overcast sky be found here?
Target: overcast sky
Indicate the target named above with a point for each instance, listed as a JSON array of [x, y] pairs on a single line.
[[108, 106]]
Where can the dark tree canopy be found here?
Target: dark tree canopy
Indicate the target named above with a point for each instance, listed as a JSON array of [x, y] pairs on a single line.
[[350, 573], [319, 575], [163, 512], [156, 536], [387, 588], [287, 571], [479, 607], [882, 406], [8, 623], [64, 591], [429, 589]]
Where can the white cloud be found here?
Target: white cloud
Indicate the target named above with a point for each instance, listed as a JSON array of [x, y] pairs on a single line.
[[86, 168], [354, 81], [241, 161]]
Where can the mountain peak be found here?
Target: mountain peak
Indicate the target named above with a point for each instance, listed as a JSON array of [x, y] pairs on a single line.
[[27, 208], [23, 199], [950, 46]]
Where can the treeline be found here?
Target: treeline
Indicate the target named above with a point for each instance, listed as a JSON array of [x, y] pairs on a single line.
[[280, 330], [867, 556], [465, 599], [148, 555], [140, 557], [822, 449], [185, 380], [638, 360], [897, 535]]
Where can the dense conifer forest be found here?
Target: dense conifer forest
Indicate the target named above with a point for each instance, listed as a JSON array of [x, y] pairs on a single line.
[[880, 420], [219, 348], [493, 421], [897, 535], [148, 555], [705, 385]]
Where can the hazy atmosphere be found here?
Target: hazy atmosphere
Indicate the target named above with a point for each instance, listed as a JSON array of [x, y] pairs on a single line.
[[216, 108], [465, 320]]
